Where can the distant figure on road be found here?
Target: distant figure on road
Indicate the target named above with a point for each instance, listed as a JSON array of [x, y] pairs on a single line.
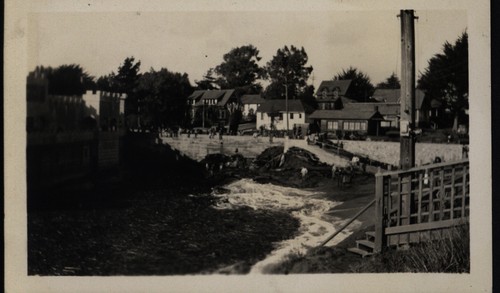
[[346, 176], [339, 176], [334, 170], [220, 133]]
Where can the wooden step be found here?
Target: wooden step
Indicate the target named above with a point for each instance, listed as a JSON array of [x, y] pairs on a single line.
[[370, 235], [359, 251], [365, 243]]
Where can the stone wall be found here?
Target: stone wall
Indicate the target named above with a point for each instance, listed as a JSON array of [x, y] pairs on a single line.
[[388, 152], [197, 148]]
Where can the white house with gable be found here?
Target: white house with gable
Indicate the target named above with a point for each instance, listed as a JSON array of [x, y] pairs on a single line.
[[277, 109]]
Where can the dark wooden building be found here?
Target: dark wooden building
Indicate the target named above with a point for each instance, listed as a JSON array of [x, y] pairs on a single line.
[[348, 121]]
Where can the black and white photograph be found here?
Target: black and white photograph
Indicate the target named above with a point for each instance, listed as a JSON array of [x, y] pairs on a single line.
[[247, 146]]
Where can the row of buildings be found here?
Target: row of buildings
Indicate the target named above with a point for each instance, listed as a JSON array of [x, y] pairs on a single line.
[[71, 136], [336, 111]]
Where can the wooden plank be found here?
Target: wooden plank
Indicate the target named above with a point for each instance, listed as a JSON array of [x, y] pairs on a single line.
[[379, 213], [452, 198], [388, 204], [464, 192], [431, 196], [407, 191], [398, 220], [426, 167], [348, 222], [424, 226], [441, 195], [419, 205]]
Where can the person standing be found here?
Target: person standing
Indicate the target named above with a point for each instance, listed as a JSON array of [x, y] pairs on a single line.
[[303, 172]]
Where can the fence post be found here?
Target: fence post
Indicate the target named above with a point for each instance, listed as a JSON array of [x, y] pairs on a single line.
[[379, 212]]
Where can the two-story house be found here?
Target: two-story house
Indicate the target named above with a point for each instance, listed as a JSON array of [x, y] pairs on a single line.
[[332, 94], [426, 110], [215, 106]]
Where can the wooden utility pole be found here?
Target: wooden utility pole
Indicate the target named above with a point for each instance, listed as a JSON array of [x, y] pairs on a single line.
[[407, 112]]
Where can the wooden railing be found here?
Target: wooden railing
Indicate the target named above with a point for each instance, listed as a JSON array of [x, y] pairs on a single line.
[[421, 203]]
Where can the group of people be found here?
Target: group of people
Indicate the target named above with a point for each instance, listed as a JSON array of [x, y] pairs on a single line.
[[213, 132], [297, 132], [343, 176]]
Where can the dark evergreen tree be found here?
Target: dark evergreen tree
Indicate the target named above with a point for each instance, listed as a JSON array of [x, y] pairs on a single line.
[[392, 82], [208, 82], [361, 87], [66, 80], [163, 94], [447, 77]]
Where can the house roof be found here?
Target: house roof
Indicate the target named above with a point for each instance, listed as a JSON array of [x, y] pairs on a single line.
[[196, 95], [331, 99], [394, 96], [346, 114], [252, 99], [213, 94], [225, 98], [222, 96], [330, 85], [391, 109], [280, 106]]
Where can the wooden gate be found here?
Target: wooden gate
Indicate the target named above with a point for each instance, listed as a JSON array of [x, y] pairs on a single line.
[[421, 203]]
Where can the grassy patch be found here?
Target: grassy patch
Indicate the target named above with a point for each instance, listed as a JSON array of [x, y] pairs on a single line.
[[447, 255]]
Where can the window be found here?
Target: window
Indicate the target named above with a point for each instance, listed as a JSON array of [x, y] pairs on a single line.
[[300, 115], [357, 126], [333, 125], [281, 116], [363, 126], [291, 115], [261, 115]]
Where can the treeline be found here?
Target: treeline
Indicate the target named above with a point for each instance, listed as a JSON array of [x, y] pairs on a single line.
[[157, 98]]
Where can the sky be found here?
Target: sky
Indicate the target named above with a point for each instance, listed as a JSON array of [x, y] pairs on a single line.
[[195, 41]]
